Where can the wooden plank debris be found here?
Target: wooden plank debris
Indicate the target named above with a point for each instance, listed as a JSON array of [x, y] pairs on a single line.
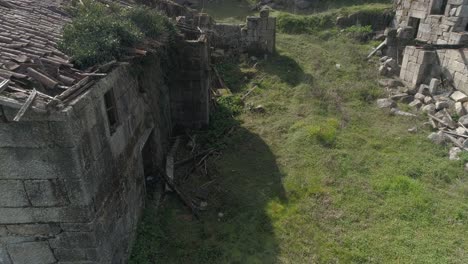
[[454, 134], [193, 158], [220, 80], [42, 78], [79, 91], [381, 46], [185, 199], [454, 141], [66, 80], [26, 106], [74, 88], [442, 122], [4, 85], [12, 103], [96, 74]]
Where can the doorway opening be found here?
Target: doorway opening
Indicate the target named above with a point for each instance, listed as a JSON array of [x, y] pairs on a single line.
[[150, 171], [414, 23]]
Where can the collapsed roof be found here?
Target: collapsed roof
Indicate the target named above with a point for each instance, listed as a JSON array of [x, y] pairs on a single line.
[[34, 73]]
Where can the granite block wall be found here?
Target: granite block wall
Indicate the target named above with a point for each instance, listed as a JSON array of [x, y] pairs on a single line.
[[437, 22], [258, 35], [190, 90], [71, 188]]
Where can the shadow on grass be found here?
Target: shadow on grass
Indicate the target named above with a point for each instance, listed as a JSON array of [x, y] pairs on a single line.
[[236, 227], [287, 69]]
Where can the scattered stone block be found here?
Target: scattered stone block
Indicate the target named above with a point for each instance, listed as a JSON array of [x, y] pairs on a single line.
[[413, 90], [441, 105], [429, 109], [459, 109], [413, 130], [383, 70], [428, 100], [403, 97], [434, 86], [396, 111], [446, 118], [460, 131], [465, 105], [384, 59], [424, 89], [465, 143], [391, 63], [437, 137], [416, 104], [454, 153], [391, 83], [463, 120], [385, 103], [31, 253], [420, 96], [458, 96]]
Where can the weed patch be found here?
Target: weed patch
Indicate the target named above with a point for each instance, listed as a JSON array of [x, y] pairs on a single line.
[[325, 133], [100, 33]]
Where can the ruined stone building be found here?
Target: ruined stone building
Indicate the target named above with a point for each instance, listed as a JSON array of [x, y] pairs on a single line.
[[444, 25], [75, 146]]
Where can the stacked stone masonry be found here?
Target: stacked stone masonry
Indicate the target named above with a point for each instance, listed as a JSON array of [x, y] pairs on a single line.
[[190, 97], [258, 35], [72, 188], [435, 22]]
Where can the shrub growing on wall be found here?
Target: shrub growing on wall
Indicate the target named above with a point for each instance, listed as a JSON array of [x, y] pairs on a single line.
[[151, 22], [100, 33]]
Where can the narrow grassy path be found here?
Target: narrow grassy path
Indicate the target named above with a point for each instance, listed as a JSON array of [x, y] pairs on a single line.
[[322, 177]]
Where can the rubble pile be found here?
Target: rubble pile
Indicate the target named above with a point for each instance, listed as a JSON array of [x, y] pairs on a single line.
[[447, 109]]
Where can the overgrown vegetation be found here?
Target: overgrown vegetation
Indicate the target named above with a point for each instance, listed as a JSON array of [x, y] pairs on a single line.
[[300, 24], [322, 176], [356, 4], [100, 33]]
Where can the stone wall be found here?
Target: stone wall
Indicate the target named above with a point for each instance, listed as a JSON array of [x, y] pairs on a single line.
[[435, 23], [190, 89], [417, 66], [420, 66], [454, 68], [72, 189], [378, 21], [258, 35], [445, 27]]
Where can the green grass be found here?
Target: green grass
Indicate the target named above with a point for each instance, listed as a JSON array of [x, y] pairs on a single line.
[[322, 177], [228, 11]]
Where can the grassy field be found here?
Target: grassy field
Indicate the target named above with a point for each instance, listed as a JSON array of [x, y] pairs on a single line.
[[322, 176]]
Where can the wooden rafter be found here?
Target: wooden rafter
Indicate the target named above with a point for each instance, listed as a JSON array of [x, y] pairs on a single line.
[[26, 106]]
